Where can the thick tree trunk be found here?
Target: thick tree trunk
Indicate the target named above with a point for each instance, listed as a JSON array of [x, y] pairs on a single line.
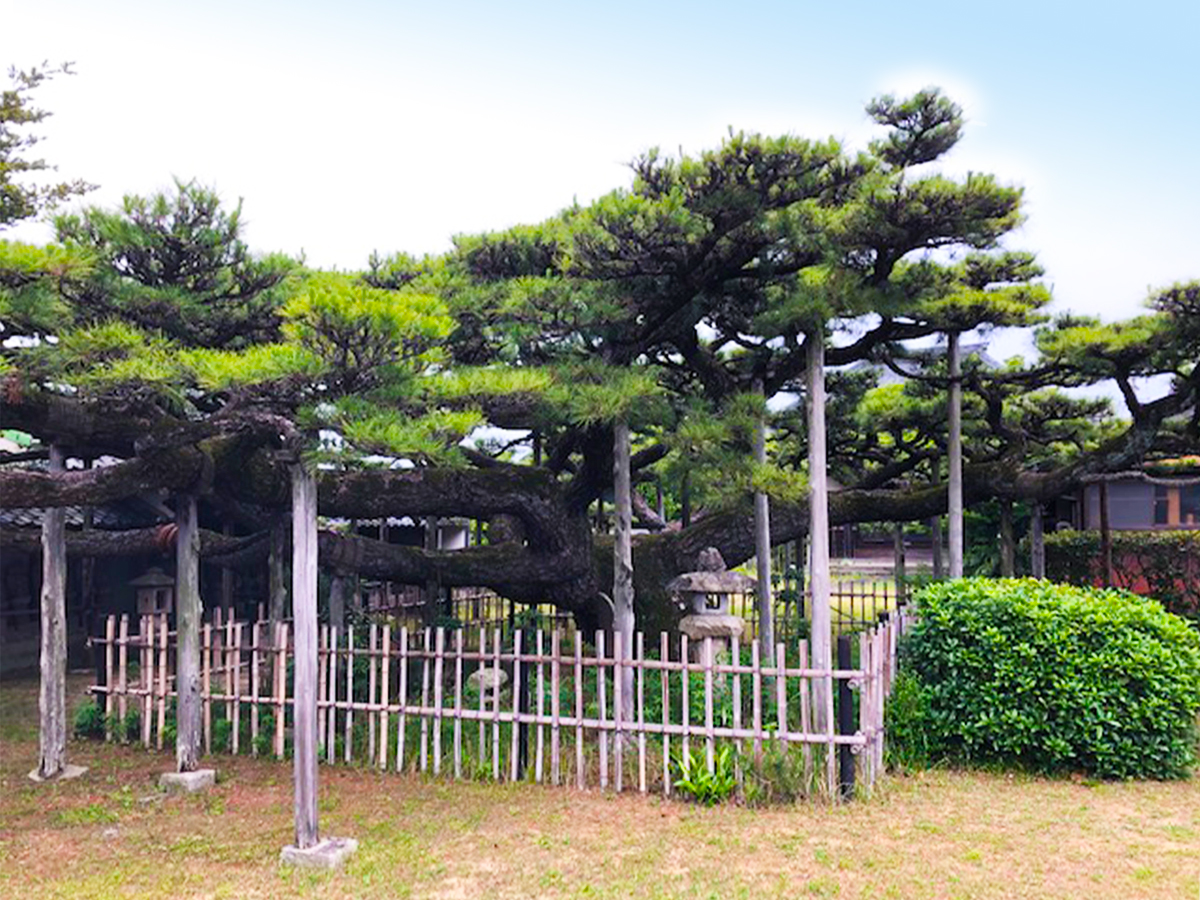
[[277, 592], [1037, 543], [188, 613], [1008, 542], [762, 550], [338, 585], [955, 458], [818, 528], [52, 695], [304, 614], [623, 615]]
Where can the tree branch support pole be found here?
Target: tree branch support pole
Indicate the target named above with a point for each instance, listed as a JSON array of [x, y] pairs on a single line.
[[623, 615], [188, 613], [762, 545], [52, 693], [304, 614], [899, 562], [955, 453], [935, 525], [818, 530], [308, 850]]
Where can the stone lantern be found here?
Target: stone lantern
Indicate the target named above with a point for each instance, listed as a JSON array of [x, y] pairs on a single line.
[[155, 592], [705, 593]]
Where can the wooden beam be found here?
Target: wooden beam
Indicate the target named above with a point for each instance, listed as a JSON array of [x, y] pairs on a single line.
[[189, 611], [304, 614], [52, 694]]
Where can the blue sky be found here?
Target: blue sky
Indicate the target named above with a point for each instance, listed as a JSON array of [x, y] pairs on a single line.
[[363, 126]]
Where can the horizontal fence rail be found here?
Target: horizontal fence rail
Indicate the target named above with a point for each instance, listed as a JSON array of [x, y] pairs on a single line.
[[512, 704]]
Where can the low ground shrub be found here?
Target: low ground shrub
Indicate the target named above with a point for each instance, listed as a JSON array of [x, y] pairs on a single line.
[[1049, 678]]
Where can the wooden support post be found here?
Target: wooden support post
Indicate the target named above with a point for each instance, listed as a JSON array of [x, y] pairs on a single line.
[[349, 734], [304, 613], [123, 675], [954, 447], [818, 528], [163, 651], [188, 614], [762, 542], [52, 689], [385, 675], [402, 699]]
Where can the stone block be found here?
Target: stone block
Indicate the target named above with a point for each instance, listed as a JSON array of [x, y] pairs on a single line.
[[188, 782], [68, 772], [330, 853]]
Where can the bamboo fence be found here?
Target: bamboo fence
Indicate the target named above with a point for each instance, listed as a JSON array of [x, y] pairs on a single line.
[[417, 700]]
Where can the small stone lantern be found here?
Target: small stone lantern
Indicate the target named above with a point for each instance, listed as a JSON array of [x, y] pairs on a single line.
[[155, 592], [706, 593]]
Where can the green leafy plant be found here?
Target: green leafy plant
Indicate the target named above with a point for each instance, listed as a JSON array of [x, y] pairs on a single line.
[[701, 785], [89, 722], [777, 778], [1049, 678]]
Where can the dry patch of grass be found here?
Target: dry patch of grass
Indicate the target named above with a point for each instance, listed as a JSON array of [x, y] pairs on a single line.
[[936, 835]]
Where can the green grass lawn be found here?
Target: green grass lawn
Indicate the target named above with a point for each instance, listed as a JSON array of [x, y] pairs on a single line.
[[935, 835]]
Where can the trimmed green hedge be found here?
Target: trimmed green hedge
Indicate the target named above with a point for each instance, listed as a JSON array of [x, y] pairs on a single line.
[[1050, 678], [1164, 565]]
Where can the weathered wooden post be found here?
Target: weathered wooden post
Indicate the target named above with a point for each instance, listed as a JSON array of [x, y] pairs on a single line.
[[818, 530], [762, 544], [1008, 541], [188, 613], [52, 694], [308, 849], [623, 617], [955, 499]]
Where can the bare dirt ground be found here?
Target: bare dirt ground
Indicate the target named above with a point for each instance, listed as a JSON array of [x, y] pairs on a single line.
[[935, 835]]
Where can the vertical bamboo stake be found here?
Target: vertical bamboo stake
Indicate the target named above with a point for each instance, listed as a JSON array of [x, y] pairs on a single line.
[[756, 687], [371, 691], [458, 705], [384, 678], [206, 659], [496, 705], [254, 686], [322, 684], [281, 648], [402, 719], [580, 775], [162, 681], [710, 741], [664, 653], [237, 684], [482, 727], [781, 696], [736, 654], [348, 739], [515, 733], [555, 706], [619, 701], [641, 710], [331, 696], [541, 704], [227, 646], [685, 677], [110, 675], [865, 719], [439, 650], [601, 692], [425, 703], [147, 679], [805, 716], [831, 775]]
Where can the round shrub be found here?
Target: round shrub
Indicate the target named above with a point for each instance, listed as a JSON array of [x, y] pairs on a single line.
[[1047, 677]]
